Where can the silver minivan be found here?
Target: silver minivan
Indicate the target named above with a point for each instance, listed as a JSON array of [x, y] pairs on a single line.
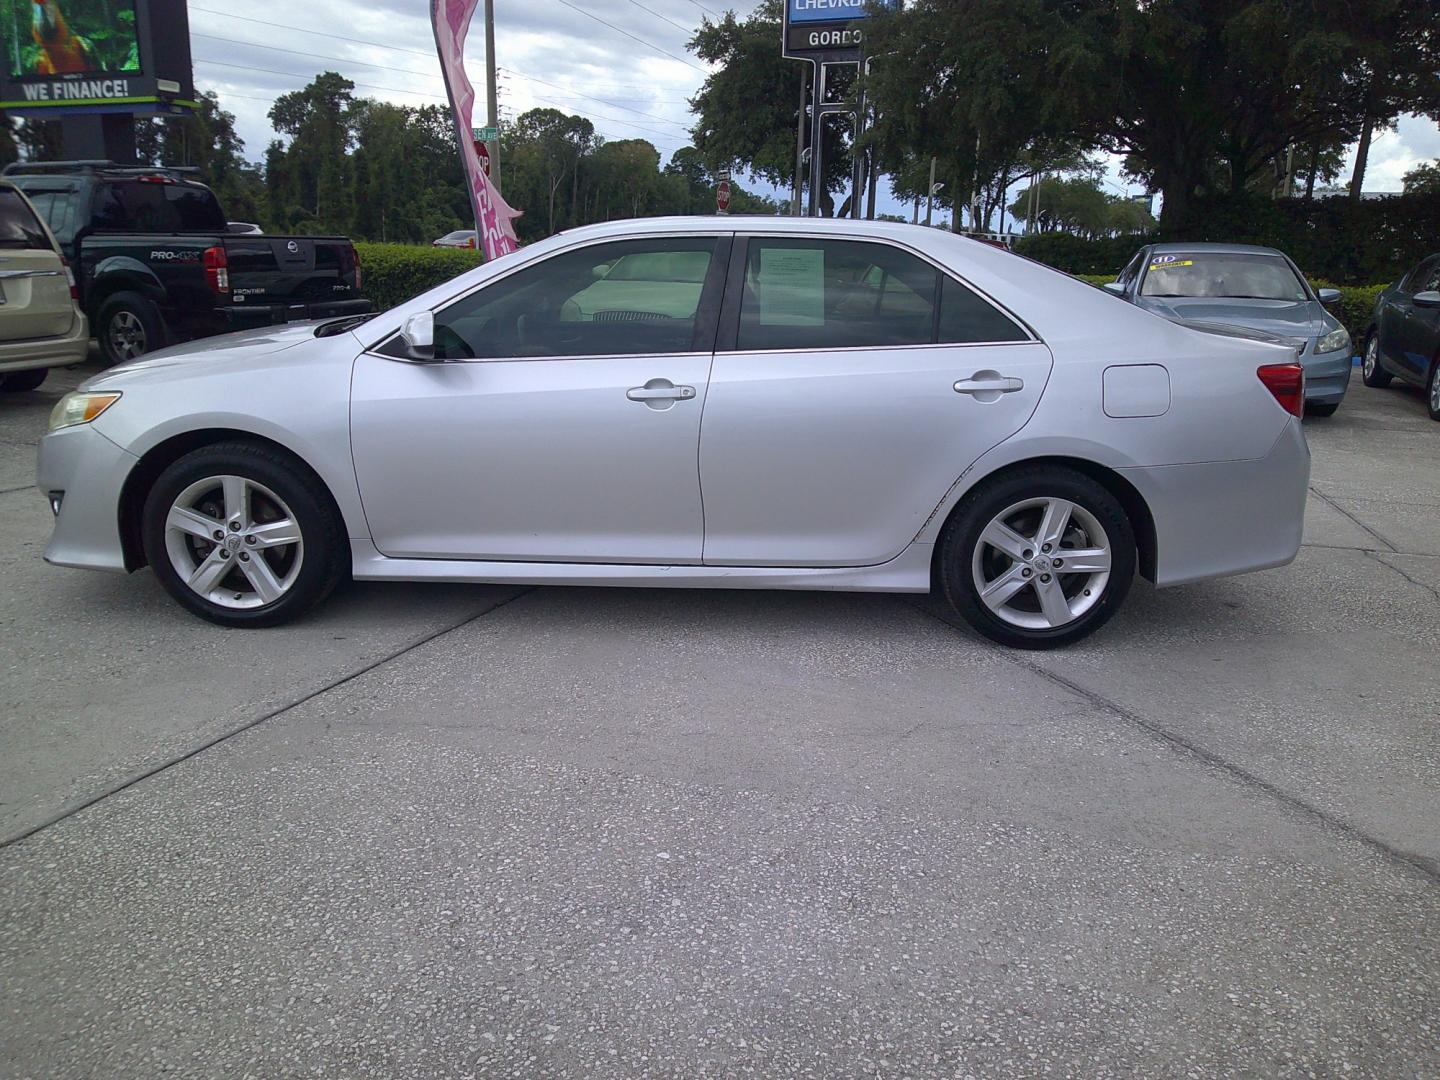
[[41, 326]]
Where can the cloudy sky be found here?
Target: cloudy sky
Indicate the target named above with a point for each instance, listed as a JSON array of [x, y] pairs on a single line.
[[622, 63]]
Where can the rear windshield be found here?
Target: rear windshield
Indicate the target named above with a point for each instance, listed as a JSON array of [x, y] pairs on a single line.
[[1235, 276], [152, 206], [18, 225]]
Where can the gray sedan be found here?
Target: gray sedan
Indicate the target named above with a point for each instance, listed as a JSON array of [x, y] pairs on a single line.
[[1255, 287], [699, 402]]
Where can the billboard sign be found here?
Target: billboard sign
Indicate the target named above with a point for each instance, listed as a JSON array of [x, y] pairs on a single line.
[[85, 56], [830, 31]]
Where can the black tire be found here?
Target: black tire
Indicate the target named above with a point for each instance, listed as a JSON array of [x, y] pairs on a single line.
[[961, 538], [18, 382], [1371, 373], [1317, 409], [126, 326], [323, 553], [1432, 390]]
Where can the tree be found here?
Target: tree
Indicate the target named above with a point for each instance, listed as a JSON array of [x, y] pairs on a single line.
[[1424, 178], [312, 183], [747, 110], [207, 140]]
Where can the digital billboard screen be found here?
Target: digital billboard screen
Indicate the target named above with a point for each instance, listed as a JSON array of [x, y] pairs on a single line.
[[70, 37]]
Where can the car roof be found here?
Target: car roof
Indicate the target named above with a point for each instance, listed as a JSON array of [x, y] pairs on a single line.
[[747, 223], [1219, 249]]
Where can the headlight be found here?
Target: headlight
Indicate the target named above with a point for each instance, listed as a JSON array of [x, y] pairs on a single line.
[[1336, 339], [78, 408]]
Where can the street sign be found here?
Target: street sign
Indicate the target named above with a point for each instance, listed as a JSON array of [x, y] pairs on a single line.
[[485, 134], [828, 31], [722, 197]]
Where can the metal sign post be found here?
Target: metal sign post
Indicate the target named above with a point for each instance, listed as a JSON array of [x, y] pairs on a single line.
[[824, 33]]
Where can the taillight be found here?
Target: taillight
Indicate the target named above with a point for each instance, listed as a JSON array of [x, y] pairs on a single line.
[[355, 261], [70, 277], [217, 269], [1287, 383]]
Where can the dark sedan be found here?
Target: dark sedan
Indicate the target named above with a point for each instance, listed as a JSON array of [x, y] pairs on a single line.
[[1404, 340]]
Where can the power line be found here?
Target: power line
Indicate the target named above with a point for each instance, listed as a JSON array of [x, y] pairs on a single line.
[[632, 37], [317, 56], [318, 33], [302, 75], [672, 22], [637, 112]]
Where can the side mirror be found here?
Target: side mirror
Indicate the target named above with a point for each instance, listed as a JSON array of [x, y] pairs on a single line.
[[419, 335], [1428, 298], [1328, 296], [1115, 287]]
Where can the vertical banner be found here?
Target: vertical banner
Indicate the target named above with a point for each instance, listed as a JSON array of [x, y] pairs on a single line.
[[451, 22]]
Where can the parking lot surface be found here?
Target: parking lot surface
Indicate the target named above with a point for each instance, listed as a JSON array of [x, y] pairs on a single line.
[[447, 831]]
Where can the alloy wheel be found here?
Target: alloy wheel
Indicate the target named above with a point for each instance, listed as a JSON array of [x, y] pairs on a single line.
[[234, 542], [1367, 366], [126, 335], [1042, 563]]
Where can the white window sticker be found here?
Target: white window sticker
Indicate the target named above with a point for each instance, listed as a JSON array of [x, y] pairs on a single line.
[[791, 285]]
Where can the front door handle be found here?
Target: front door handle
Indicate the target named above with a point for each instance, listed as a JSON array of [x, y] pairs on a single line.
[[987, 383], [667, 392]]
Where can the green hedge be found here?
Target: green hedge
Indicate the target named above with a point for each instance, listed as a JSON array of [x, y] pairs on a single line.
[[1355, 309], [393, 273]]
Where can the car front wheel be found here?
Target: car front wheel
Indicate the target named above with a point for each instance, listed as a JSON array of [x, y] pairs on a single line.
[[243, 535], [1432, 390], [1371, 373], [1039, 558]]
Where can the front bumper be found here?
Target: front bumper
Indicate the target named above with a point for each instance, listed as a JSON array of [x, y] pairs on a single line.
[[89, 471], [1218, 518], [251, 316], [47, 352], [1327, 376]]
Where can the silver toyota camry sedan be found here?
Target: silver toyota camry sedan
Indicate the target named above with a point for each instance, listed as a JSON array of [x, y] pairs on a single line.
[[765, 403]]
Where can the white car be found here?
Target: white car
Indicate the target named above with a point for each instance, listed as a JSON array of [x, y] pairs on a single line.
[[697, 402]]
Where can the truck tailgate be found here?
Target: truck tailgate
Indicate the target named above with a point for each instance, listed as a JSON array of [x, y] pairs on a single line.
[[291, 270]]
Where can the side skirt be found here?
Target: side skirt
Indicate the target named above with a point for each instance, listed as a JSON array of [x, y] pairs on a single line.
[[908, 572]]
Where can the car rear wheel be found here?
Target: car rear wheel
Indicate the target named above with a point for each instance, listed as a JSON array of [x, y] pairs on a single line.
[[243, 535], [1039, 558], [1432, 390], [127, 325], [1371, 373], [17, 382]]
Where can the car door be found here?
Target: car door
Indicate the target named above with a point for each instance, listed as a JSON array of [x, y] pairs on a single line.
[[561, 419], [35, 300], [1394, 318], [1420, 328], [853, 383]]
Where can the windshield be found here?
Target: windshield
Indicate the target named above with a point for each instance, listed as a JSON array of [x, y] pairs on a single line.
[[1235, 276]]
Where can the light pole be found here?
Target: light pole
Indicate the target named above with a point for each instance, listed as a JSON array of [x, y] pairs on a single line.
[[492, 111]]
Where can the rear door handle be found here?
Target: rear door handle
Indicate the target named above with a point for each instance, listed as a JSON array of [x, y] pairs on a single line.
[[987, 383]]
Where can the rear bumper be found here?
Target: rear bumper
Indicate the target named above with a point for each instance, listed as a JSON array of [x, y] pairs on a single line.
[[1327, 377], [1219, 518], [250, 316], [47, 352], [90, 471]]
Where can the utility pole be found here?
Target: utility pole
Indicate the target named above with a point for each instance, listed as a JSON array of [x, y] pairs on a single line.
[[930, 192], [492, 109]]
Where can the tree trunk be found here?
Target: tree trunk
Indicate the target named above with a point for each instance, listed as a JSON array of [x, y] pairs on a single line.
[[1176, 194], [1362, 152], [874, 183], [1314, 164]]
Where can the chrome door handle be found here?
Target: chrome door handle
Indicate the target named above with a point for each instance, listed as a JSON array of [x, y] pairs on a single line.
[[986, 383], [660, 393]]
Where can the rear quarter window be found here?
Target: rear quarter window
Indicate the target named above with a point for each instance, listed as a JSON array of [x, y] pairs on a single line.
[[150, 206], [19, 227]]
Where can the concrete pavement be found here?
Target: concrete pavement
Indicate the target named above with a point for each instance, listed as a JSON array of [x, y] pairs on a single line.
[[446, 831]]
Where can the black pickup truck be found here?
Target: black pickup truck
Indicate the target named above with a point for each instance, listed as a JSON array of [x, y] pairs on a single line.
[[156, 263]]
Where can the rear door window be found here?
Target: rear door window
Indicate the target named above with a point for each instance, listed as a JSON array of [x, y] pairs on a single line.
[[839, 294], [19, 227]]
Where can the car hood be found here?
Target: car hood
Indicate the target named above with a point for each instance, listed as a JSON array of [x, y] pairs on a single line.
[[229, 350], [1289, 319]]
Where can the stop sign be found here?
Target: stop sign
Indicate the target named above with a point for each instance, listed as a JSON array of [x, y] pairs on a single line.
[[722, 197], [483, 152]]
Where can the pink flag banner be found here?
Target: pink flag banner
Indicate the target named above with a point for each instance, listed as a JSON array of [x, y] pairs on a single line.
[[493, 216]]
